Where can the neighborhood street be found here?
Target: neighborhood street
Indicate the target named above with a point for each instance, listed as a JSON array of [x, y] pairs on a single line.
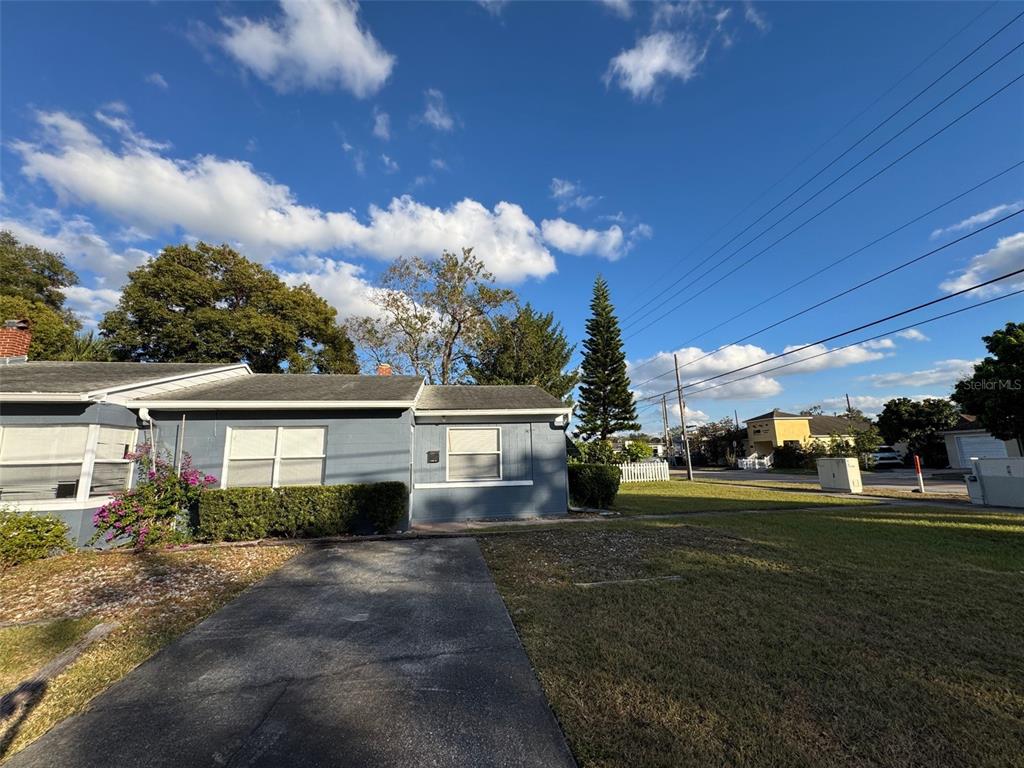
[[382, 654], [890, 479]]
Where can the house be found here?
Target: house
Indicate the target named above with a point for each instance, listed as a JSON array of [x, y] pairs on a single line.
[[968, 440], [770, 430], [464, 451]]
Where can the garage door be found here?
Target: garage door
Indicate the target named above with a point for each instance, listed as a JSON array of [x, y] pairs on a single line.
[[979, 447]]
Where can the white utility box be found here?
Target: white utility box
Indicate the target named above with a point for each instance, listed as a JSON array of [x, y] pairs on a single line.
[[1000, 482], [842, 475]]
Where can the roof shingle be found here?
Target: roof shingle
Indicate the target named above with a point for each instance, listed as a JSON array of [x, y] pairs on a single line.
[[482, 397], [53, 377]]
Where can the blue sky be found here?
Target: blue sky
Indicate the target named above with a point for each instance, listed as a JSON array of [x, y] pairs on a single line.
[[562, 140]]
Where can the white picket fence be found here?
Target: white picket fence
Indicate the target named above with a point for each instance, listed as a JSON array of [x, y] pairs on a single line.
[[755, 463], [644, 471]]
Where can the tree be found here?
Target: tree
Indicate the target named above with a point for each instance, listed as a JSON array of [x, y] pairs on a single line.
[[34, 275], [606, 405], [207, 303], [527, 348], [814, 410], [993, 393], [430, 314], [918, 424], [51, 331], [88, 347]]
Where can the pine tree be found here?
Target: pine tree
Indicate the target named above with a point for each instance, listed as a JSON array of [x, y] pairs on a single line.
[[606, 405]]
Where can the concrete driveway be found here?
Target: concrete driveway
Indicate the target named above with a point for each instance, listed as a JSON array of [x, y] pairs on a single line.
[[392, 653]]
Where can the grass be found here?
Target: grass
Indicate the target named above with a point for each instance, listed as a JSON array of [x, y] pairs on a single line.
[[839, 637], [870, 491], [676, 496], [152, 597]]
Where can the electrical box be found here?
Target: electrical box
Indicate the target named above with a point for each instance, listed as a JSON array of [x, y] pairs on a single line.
[[840, 475]]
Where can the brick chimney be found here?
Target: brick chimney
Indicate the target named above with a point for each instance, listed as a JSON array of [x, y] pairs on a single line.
[[383, 369], [15, 338]]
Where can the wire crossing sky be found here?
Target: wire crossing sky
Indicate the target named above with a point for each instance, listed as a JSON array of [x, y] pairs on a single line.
[[746, 176]]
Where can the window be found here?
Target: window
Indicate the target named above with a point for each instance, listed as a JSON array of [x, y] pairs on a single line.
[[60, 461], [275, 456], [474, 453], [111, 471]]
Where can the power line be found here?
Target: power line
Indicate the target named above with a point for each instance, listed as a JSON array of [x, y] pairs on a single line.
[[853, 253], [861, 327], [863, 341], [831, 205], [844, 292], [847, 150]]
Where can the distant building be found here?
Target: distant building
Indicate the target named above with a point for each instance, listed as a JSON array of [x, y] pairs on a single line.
[[776, 428], [969, 440]]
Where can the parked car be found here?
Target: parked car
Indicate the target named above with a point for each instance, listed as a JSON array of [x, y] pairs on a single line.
[[886, 456]]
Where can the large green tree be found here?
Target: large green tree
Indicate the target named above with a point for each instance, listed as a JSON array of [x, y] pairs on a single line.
[[34, 274], [208, 303], [52, 334], [994, 393], [429, 314], [606, 405], [526, 348], [918, 423]]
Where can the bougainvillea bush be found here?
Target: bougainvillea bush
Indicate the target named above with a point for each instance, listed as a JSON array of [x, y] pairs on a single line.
[[158, 510]]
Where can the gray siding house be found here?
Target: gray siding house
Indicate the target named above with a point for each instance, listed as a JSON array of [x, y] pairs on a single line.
[[465, 452]]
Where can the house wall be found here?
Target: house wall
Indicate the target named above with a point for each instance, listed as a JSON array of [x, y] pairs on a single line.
[[362, 446], [764, 436], [77, 515], [534, 478]]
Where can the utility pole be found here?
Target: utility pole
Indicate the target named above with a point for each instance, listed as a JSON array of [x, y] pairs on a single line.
[[736, 415], [849, 407], [682, 420], [664, 421]]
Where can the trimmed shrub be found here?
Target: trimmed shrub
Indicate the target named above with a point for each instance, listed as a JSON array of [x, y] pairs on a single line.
[[25, 537], [243, 514], [593, 485]]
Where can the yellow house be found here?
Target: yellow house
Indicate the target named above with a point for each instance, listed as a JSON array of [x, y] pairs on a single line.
[[768, 431]]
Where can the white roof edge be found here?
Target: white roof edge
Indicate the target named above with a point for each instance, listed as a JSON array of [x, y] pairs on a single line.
[[165, 379], [495, 412], [266, 405], [44, 397]]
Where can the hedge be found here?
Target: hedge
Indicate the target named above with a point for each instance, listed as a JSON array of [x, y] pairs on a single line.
[[593, 485], [243, 514], [24, 537]]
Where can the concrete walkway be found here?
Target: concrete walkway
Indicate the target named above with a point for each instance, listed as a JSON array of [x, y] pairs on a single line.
[[390, 653]]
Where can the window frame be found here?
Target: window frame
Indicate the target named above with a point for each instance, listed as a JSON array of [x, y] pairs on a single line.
[[87, 463], [275, 475], [448, 453]]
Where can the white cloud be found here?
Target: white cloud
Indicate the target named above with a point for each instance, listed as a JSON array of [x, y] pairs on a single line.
[[390, 166], [339, 282], [1006, 256], [569, 194], [694, 367], [943, 373], [977, 219], [358, 157], [381, 125], [623, 8], [571, 238], [83, 248], [912, 334], [229, 201], [493, 7], [871, 405], [315, 44], [155, 78], [129, 136], [657, 57], [755, 17], [438, 164], [90, 304], [436, 113]]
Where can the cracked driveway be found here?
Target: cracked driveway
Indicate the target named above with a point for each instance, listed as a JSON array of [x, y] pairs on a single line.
[[391, 653]]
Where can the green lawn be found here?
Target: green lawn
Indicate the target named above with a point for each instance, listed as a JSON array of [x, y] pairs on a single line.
[[709, 496], [858, 636]]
